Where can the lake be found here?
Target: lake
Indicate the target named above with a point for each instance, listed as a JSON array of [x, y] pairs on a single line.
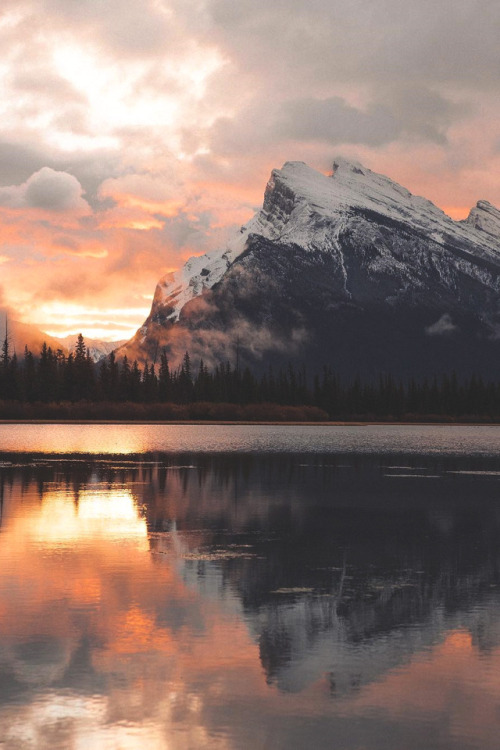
[[249, 587]]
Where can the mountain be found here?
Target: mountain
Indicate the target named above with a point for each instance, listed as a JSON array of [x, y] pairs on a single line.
[[24, 334], [350, 270], [98, 349]]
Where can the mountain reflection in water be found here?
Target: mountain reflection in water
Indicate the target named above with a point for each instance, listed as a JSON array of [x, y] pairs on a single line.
[[249, 601]]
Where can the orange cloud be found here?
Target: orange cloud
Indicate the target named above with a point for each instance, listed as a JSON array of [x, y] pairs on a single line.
[[110, 257], [129, 217]]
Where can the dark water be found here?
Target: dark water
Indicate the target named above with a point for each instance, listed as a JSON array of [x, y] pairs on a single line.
[[323, 592]]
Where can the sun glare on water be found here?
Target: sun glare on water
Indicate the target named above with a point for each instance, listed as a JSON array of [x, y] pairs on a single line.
[[97, 513]]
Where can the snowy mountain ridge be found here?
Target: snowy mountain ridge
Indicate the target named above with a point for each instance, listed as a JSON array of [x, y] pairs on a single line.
[[300, 206], [350, 270]]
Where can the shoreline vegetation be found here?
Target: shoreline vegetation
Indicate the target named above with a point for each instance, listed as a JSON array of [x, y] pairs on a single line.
[[210, 413], [54, 386]]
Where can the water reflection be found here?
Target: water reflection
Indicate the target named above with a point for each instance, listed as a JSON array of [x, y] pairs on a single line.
[[243, 601], [68, 518]]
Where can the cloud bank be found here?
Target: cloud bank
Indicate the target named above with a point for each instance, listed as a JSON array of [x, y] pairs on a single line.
[[134, 134]]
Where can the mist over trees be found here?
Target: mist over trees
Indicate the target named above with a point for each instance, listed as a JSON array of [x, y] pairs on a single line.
[[52, 377]]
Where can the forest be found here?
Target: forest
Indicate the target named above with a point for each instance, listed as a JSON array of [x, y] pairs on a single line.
[[59, 386]]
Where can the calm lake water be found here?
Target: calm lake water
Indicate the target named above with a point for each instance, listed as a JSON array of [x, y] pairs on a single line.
[[233, 587]]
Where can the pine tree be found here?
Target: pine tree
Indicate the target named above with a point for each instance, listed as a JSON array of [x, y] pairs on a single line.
[[164, 380], [80, 349], [103, 379], [185, 382], [6, 347], [124, 386], [29, 376], [135, 382], [114, 378]]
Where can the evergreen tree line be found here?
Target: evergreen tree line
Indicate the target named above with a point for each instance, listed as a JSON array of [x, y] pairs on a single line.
[[53, 377]]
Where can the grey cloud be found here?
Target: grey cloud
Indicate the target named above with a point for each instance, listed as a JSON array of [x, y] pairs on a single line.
[[425, 112], [90, 170], [414, 112], [56, 191], [45, 189], [243, 133], [331, 121], [20, 160], [387, 40], [334, 121], [194, 233]]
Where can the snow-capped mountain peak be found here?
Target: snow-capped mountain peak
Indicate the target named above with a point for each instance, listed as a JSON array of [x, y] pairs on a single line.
[[329, 258], [307, 209], [355, 187]]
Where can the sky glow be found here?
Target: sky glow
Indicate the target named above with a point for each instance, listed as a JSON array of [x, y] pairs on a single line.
[[135, 134]]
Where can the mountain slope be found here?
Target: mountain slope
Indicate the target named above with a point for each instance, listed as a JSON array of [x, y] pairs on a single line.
[[23, 334], [350, 270]]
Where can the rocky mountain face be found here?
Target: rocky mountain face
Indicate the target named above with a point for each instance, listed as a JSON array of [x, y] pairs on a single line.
[[350, 270]]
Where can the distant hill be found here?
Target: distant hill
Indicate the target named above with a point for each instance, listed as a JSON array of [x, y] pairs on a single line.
[[24, 334], [98, 349]]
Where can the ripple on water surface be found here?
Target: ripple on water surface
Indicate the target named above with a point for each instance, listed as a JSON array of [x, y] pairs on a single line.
[[139, 438]]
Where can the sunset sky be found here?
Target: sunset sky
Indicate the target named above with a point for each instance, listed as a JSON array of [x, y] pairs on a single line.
[[134, 134]]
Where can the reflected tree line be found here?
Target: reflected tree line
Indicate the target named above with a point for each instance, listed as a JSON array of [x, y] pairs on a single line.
[[194, 391]]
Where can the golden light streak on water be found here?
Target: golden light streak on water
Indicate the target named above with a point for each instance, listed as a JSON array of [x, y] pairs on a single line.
[[67, 519]]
